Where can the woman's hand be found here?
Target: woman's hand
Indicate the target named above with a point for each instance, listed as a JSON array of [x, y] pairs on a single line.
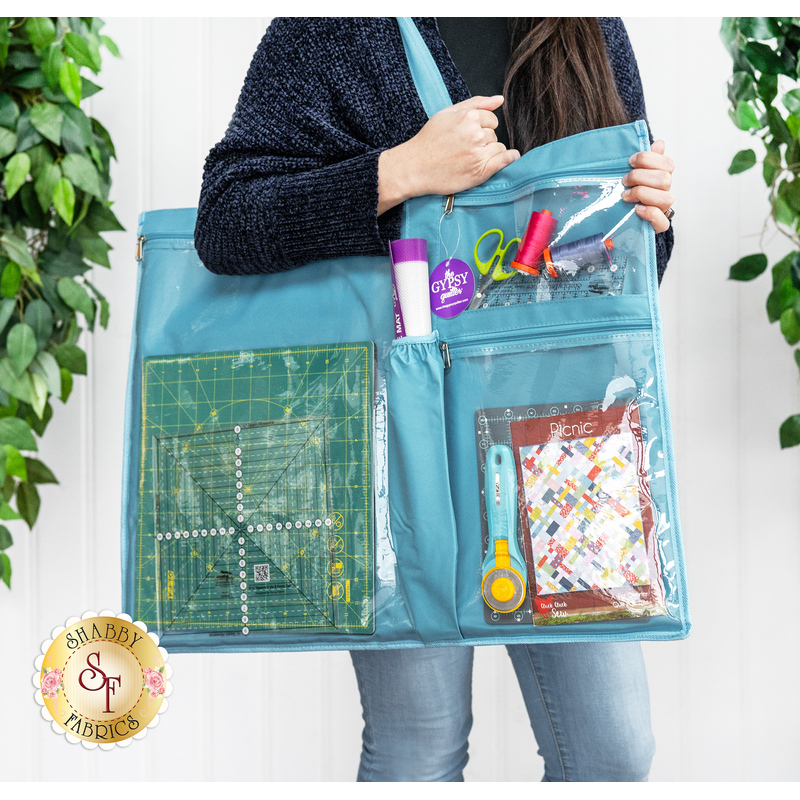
[[649, 184], [456, 149]]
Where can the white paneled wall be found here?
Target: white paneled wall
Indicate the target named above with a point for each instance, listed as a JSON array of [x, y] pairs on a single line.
[[723, 699], [725, 702]]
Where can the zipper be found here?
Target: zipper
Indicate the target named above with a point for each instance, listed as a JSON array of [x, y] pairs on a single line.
[[481, 194], [444, 349], [480, 344], [140, 242]]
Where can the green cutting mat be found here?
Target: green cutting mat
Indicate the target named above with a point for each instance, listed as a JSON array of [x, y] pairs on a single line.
[[255, 493]]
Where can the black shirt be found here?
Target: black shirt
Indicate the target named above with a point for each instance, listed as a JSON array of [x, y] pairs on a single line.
[[480, 47]]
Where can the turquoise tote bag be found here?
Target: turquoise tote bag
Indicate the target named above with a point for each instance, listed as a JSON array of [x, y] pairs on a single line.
[[296, 478]]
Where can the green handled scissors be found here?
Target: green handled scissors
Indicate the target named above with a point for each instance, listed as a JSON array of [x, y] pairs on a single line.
[[492, 270]]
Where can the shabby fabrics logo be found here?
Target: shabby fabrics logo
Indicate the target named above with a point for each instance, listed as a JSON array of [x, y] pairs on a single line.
[[102, 680]]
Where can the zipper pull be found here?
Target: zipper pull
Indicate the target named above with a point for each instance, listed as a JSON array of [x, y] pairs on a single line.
[[445, 351], [139, 246]]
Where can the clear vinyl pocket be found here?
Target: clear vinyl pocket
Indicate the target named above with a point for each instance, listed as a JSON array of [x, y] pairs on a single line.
[[572, 341], [252, 453], [564, 504], [543, 241], [594, 246], [420, 504]]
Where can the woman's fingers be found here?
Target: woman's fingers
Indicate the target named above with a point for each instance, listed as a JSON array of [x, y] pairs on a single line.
[[655, 216], [479, 101], [655, 178], [456, 149], [478, 116], [649, 184], [488, 136], [478, 111], [486, 119], [649, 196], [652, 160], [501, 158]]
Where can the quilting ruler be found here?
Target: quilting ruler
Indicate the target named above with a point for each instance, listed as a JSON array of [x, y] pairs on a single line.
[[492, 426], [593, 281], [255, 493]]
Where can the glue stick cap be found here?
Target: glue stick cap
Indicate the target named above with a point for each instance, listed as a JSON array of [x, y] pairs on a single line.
[[408, 250]]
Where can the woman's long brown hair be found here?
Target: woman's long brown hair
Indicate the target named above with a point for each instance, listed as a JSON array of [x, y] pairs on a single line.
[[558, 80]]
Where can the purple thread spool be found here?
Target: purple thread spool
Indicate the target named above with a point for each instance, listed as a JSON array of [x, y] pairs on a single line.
[[580, 253]]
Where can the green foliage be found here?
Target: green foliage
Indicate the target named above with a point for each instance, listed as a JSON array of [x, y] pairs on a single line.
[[54, 207], [749, 267], [765, 100], [743, 160], [790, 431]]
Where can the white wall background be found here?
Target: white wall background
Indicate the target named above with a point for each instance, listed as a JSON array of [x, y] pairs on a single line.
[[725, 702]]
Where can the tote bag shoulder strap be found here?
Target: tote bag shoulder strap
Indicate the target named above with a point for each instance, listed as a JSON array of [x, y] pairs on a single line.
[[427, 78]]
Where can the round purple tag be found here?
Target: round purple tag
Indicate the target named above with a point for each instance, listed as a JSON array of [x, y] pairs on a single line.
[[452, 288]]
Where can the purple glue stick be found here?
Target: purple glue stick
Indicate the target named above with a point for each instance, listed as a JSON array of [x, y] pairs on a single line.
[[410, 280], [399, 328]]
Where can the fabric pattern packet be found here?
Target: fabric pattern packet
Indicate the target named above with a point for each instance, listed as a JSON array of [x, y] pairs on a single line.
[[586, 511]]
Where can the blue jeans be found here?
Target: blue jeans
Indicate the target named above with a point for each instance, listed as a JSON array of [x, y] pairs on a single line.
[[588, 704]]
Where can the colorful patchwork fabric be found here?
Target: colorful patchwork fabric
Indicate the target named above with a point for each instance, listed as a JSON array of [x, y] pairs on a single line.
[[582, 500]]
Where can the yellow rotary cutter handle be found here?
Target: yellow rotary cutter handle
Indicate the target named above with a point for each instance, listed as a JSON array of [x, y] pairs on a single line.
[[504, 572]]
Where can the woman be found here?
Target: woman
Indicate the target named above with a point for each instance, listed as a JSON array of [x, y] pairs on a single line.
[[327, 141]]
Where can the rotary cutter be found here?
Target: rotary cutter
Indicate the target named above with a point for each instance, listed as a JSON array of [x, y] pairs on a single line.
[[504, 572]]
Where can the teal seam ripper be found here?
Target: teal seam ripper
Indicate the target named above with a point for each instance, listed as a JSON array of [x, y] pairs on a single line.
[[504, 571]]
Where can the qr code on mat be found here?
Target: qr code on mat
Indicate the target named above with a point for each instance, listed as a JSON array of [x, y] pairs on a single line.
[[261, 573]]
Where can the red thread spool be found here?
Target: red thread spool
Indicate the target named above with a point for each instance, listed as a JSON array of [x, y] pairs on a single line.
[[537, 236]]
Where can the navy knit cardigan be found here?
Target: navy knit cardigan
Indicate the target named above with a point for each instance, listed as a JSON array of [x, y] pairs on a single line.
[[295, 179]]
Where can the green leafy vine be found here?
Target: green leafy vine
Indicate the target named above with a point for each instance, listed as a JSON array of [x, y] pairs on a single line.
[[765, 100], [54, 206]]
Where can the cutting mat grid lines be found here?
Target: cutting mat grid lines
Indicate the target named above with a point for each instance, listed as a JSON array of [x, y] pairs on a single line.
[[255, 494]]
